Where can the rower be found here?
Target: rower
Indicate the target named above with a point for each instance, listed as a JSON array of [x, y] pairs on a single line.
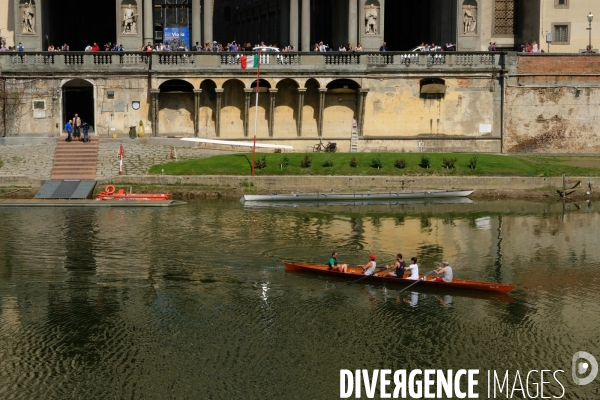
[[445, 269], [333, 265], [414, 269], [399, 266], [369, 268]]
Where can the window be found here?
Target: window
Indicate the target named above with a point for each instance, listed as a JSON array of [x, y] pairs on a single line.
[[561, 3], [560, 32], [505, 17]]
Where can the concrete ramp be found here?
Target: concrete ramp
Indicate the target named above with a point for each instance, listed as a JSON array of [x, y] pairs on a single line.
[[66, 189]]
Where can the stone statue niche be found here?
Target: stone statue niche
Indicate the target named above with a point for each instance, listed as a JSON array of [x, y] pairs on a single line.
[[129, 14], [27, 10], [372, 18], [469, 17]]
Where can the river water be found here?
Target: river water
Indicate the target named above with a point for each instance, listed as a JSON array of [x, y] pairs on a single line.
[[194, 302]]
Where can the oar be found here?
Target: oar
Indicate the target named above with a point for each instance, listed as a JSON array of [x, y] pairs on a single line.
[[417, 281], [366, 276]]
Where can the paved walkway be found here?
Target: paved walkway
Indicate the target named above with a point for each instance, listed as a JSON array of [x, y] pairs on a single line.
[[35, 160], [31, 160], [140, 157]]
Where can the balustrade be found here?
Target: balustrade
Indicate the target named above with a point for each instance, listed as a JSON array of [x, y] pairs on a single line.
[[112, 61]]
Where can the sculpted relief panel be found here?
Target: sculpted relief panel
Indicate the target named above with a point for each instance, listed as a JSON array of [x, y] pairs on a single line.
[[469, 13], [28, 18]]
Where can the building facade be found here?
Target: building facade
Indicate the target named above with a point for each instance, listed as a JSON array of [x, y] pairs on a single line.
[[472, 24]]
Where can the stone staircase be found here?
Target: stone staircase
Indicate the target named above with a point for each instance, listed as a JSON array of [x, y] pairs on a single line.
[[75, 160], [354, 141]]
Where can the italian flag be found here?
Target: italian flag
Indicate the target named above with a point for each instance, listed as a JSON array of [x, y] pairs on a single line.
[[249, 61]]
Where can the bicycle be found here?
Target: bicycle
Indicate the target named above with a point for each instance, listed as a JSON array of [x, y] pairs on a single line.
[[328, 148]]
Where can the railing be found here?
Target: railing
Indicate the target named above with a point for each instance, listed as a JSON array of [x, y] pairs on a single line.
[[197, 61]]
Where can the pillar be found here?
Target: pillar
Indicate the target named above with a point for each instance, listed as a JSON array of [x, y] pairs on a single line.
[[362, 99], [305, 25], [284, 23], [219, 92], [322, 93], [352, 22], [301, 93], [197, 111], [154, 93], [248, 98], [148, 22], [196, 25], [294, 24], [273, 93], [208, 21]]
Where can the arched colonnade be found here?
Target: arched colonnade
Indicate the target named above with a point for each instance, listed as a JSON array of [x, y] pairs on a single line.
[[285, 108]]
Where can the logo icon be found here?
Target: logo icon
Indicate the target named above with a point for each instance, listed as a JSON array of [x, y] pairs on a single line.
[[581, 367]]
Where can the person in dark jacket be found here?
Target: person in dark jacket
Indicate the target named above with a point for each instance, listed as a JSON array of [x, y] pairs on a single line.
[[85, 127]]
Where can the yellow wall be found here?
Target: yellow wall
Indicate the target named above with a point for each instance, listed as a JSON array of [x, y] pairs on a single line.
[[576, 15], [5, 32]]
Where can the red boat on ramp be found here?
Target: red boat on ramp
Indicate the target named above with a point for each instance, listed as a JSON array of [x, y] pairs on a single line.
[[354, 273], [110, 194]]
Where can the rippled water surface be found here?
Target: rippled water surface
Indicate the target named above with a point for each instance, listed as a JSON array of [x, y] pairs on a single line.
[[194, 302]]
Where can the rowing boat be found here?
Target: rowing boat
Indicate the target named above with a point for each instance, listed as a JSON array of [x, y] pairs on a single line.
[[431, 194], [353, 273]]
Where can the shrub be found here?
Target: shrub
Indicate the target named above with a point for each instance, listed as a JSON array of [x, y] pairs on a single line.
[[328, 162], [376, 162], [306, 161], [473, 162], [260, 163], [277, 151], [425, 162], [400, 164], [285, 161], [449, 163], [354, 163]]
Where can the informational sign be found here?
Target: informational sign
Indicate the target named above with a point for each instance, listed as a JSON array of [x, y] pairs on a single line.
[[180, 35]]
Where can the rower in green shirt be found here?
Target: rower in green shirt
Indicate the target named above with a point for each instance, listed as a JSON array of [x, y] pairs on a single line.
[[333, 265]]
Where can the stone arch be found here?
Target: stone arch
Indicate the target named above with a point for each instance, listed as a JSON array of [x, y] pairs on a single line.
[[176, 107], [263, 83], [232, 109], [310, 111], [340, 109], [207, 112], [286, 108], [314, 81], [79, 96]]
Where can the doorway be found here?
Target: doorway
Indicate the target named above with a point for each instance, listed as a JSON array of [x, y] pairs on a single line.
[[79, 23], [78, 98]]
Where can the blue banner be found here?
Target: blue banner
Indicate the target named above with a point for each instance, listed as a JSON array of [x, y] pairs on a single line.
[[180, 35]]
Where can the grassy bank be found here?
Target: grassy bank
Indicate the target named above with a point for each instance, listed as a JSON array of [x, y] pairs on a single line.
[[367, 164]]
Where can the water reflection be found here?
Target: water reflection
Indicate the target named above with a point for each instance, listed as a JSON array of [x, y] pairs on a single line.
[[167, 303]]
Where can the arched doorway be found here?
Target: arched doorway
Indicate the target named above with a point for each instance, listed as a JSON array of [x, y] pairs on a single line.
[[78, 23], [176, 107], [78, 98], [286, 107]]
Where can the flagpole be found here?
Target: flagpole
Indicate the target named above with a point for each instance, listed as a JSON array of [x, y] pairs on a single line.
[[256, 113]]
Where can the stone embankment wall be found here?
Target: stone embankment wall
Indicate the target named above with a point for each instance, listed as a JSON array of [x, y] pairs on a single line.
[[552, 105]]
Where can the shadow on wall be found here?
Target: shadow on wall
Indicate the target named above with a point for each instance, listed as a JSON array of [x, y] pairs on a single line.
[[232, 109], [208, 107], [286, 108], [176, 108]]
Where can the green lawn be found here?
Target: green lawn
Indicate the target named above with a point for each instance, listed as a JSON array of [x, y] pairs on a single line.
[[487, 165]]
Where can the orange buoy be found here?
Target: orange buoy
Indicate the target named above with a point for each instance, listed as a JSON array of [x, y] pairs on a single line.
[[110, 189]]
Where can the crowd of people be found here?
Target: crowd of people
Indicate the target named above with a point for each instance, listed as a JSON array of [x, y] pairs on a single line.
[[527, 48]]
